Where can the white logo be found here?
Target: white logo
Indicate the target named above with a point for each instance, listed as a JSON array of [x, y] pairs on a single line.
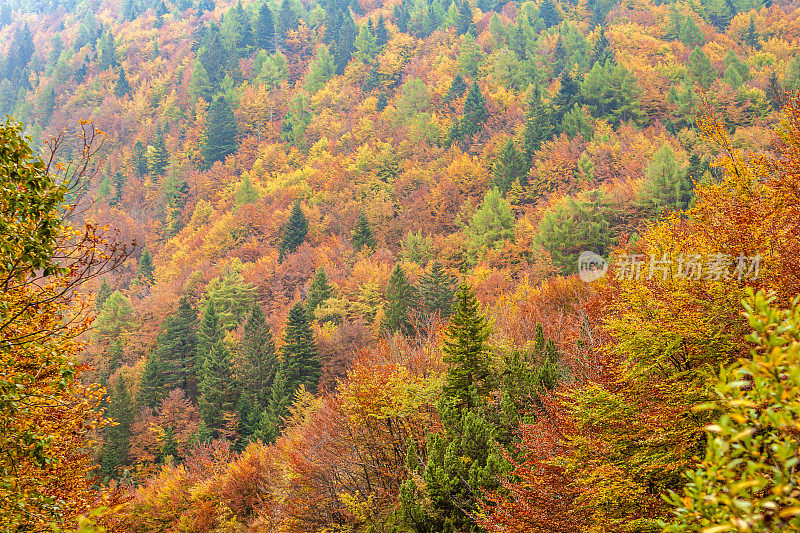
[[591, 266]]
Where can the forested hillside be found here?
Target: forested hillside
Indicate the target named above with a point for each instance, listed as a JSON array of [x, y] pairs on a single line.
[[313, 266]]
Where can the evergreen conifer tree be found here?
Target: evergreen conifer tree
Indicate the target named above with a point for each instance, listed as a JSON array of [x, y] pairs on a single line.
[[176, 349], [294, 233], [464, 24], [436, 291], [465, 459], [146, 267], [210, 331], [218, 391], [174, 362], [549, 14], [509, 167], [319, 292], [538, 126], [381, 33], [301, 364], [264, 29], [457, 88], [751, 36], [200, 86], [107, 52], [700, 67], [140, 158], [117, 437], [271, 421], [219, 139], [256, 359], [568, 95], [103, 292], [401, 296], [287, 20], [466, 352], [474, 114], [362, 234], [160, 159], [122, 87]]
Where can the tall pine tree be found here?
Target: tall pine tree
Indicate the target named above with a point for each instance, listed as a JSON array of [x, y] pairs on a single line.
[[160, 158], [401, 297], [219, 139], [362, 234], [264, 29], [256, 359], [319, 292], [436, 291], [218, 390], [466, 352], [474, 114], [294, 233]]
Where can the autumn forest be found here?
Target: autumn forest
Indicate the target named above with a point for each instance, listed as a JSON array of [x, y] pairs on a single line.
[[400, 266]]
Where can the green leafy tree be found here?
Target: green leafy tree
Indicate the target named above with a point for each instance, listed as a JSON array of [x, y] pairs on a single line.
[[689, 34], [666, 184], [363, 237], [246, 192], [747, 479], [219, 138], [116, 319], [575, 225], [732, 77], [200, 86], [320, 70], [232, 296], [401, 297], [732, 60], [700, 68], [294, 233], [366, 45], [491, 225], [611, 93], [319, 292]]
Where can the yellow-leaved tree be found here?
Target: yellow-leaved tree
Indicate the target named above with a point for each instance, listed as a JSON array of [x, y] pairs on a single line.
[[47, 415]]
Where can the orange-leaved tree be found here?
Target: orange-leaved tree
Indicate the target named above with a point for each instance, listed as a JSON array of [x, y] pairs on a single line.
[[47, 415]]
